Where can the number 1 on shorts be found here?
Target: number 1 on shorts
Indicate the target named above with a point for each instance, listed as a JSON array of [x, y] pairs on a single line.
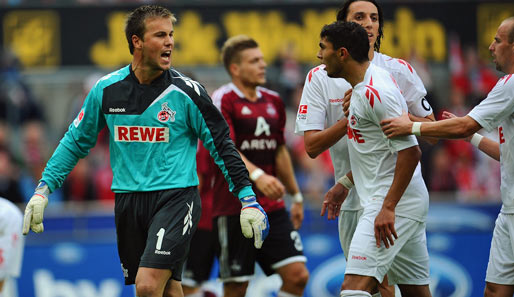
[[160, 236]]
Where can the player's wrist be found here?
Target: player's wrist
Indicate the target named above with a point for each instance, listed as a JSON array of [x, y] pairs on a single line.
[[346, 182], [254, 176], [298, 198], [416, 128], [42, 190], [476, 139]]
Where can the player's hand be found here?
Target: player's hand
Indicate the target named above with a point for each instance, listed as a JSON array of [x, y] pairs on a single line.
[[270, 186], [384, 227], [399, 126], [254, 221], [346, 102], [297, 214], [334, 198], [33, 218]]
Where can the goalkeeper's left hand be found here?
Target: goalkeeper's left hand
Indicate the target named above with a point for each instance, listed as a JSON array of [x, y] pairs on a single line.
[[254, 221], [33, 217]]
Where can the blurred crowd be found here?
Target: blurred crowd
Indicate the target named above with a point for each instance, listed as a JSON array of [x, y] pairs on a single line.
[[453, 170]]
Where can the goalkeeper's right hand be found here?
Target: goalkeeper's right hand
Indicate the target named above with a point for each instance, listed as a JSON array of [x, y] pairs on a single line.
[[254, 221], [33, 218]]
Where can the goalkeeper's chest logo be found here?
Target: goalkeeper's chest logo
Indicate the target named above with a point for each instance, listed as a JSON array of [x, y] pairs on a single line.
[[166, 113], [141, 134]]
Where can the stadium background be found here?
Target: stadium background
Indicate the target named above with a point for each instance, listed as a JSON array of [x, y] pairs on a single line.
[[52, 51]]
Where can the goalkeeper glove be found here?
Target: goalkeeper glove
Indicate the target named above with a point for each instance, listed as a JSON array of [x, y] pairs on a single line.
[[254, 221], [33, 217]]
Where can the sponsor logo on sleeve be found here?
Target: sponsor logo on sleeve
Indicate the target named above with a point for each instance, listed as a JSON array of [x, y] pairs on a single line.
[[302, 112], [141, 134], [79, 118]]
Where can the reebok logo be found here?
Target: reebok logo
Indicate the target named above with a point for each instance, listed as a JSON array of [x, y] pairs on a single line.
[[165, 253], [117, 109], [361, 258]]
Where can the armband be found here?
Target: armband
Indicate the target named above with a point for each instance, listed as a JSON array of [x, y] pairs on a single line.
[[256, 174], [298, 198], [475, 140], [346, 182], [416, 128]]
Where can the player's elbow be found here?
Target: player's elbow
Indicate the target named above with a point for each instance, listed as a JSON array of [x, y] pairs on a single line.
[[312, 152]]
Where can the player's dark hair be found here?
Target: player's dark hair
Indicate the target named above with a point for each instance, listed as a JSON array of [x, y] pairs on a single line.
[[135, 24], [349, 35], [232, 48], [342, 15]]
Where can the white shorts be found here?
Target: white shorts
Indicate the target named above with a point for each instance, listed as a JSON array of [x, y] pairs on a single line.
[[347, 223], [405, 263], [11, 246], [500, 269]]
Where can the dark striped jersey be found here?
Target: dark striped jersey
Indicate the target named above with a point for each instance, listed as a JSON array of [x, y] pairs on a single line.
[[257, 129]]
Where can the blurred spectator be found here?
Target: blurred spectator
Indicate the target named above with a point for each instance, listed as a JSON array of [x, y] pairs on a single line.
[[9, 185], [290, 76], [34, 155], [17, 104]]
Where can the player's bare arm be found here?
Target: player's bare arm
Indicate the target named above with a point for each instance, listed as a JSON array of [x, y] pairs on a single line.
[[335, 197], [486, 145], [285, 173], [459, 127], [269, 185], [384, 222], [317, 141]]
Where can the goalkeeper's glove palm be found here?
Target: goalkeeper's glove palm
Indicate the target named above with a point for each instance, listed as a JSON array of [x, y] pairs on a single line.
[[254, 221], [33, 218]]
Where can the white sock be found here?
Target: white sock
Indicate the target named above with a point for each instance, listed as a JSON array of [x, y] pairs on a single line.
[[286, 294], [354, 293]]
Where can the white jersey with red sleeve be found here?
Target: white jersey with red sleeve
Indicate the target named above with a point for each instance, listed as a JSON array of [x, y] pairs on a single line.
[[497, 110], [372, 155], [321, 106], [408, 81]]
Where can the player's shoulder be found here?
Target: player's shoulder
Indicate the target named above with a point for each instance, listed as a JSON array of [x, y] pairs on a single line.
[[186, 83], [112, 77], [392, 64], [269, 93], [226, 92], [506, 81], [316, 73]]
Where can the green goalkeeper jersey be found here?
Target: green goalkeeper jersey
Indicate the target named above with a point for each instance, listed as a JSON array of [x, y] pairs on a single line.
[[154, 131]]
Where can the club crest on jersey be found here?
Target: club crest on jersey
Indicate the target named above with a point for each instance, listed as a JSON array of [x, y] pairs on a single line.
[[78, 119], [166, 113], [270, 109], [353, 120]]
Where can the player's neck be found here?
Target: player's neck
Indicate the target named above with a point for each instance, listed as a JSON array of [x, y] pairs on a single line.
[[249, 91], [144, 74], [371, 53], [356, 72]]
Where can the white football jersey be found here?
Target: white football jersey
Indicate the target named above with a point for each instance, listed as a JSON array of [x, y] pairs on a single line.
[[372, 155], [322, 101], [497, 110], [410, 84], [11, 239], [321, 106]]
